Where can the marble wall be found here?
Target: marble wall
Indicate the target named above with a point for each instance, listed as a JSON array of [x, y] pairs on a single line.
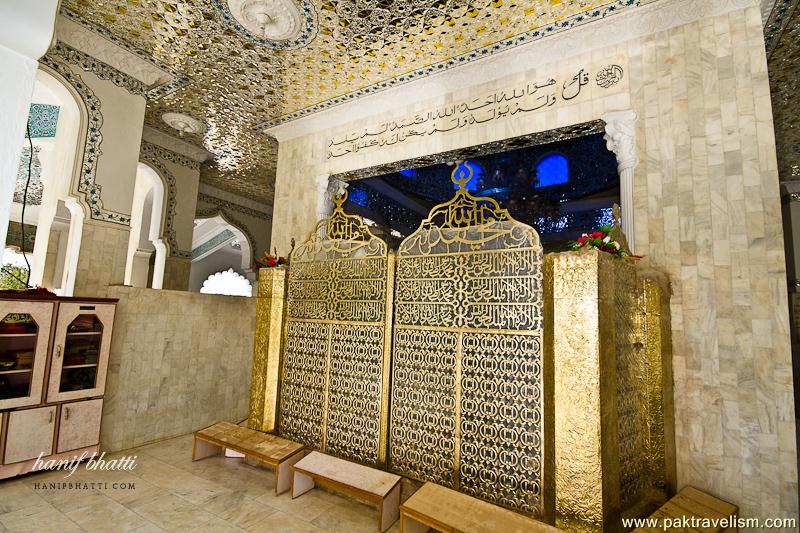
[[707, 212], [103, 251], [179, 361]]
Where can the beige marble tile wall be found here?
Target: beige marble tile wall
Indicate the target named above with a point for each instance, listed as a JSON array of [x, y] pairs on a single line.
[[179, 361], [104, 249], [707, 211], [176, 273]]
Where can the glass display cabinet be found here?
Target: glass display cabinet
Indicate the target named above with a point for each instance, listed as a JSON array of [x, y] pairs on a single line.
[[24, 337], [53, 361], [80, 352]]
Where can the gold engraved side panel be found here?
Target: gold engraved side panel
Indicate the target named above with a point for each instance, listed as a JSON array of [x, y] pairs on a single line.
[[658, 348], [353, 426], [267, 350], [303, 382], [423, 423], [631, 385]]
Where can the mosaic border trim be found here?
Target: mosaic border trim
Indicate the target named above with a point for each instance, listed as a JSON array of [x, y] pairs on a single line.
[[98, 68], [774, 26], [87, 183], [307, 34], [219, 202], [179, 80], [233, 221], [503, 145], [152, 155], [217, 239], [573, 21]]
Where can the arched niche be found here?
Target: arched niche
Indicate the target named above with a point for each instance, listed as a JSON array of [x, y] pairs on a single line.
[[212, 249], [56, 213], [147, 224]]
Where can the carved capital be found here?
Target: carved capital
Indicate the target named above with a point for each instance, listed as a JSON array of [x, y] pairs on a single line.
[[620, 137]]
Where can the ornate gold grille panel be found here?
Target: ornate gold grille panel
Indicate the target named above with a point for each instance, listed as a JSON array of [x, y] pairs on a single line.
[[468, 375], [335, 370]]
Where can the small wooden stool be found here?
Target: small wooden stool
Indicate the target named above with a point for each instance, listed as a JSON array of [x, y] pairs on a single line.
[[357, 480], [443, 509], [275, 451], [693, 503]]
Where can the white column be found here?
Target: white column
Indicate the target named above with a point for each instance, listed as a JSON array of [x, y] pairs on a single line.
[[620, 138], [73, 246], [159, 264], [26, 30]]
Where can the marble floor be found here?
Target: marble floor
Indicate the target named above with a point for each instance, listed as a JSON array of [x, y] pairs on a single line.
[[172, 493]]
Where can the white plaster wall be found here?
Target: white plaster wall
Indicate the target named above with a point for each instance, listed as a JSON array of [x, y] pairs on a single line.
[[17, 76], [123, 119]]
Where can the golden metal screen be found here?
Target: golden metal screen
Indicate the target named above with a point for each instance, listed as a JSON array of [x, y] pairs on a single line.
[[468, 376], [335, 368]]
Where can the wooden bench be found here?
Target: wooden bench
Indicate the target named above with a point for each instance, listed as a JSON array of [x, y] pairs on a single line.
[[270, 449], [446, 510], [693, 503], [354, 479]]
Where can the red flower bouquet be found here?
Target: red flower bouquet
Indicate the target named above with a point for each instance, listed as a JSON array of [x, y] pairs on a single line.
[[601, 239], [271, 261]]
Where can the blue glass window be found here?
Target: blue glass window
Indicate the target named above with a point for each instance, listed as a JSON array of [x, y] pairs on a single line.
[[552, 170]]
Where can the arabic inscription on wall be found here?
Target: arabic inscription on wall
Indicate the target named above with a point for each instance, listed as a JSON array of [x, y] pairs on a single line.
[[517, 101]]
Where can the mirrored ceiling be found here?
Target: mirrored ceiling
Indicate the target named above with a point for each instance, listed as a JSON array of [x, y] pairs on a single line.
[[242, 65]]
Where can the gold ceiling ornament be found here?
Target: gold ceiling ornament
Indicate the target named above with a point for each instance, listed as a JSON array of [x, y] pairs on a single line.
[[470, 381], [238, 83], [334, 394]]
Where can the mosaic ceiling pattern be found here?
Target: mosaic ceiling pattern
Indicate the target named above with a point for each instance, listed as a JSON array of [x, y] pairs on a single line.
[[783, 57], [238, 83]]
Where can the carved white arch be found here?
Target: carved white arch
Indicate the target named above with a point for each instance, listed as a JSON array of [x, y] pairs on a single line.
[[149, 185], [61, 163], [244, 240], [620, 138]]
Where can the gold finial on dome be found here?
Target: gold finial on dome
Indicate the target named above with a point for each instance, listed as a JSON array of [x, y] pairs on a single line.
[[461, 175], [340, 198]]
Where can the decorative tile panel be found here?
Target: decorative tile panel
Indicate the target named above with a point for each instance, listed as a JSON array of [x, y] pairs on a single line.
[[42, 121], [211, 243]]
